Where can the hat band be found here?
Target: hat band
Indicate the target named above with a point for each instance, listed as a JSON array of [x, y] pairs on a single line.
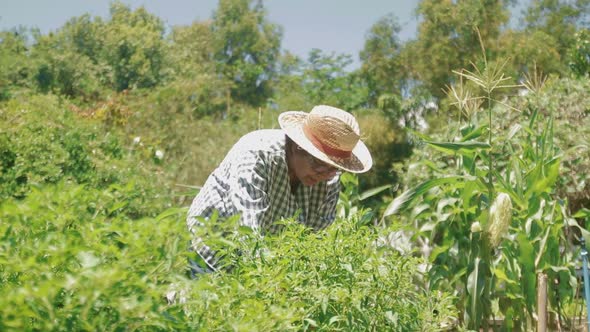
[[323, 147]]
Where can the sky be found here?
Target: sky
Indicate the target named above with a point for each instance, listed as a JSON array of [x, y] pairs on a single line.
[[337, 26]]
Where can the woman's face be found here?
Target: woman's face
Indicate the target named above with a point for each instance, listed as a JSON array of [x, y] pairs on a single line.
[[310, 170]]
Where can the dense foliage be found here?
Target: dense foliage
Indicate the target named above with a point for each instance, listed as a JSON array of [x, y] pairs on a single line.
[[45, 142], [478, 129], [502, 155], [75, 258]]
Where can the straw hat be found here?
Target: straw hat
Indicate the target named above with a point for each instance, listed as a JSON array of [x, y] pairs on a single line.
[[329, 134]]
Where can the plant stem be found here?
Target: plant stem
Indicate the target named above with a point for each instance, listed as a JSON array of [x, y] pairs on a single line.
[[491, 161]]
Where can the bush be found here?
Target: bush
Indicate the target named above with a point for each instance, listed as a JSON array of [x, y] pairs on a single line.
[[74, 259], [579, 54], [38, 145], [43, 142], [345, 278]]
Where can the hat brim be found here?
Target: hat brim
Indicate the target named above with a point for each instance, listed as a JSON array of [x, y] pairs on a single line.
[[359, 161]]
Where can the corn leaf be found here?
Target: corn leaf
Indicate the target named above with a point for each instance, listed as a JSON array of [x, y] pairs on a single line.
[[407, 197], [458, 147], [372, 192], [477, 132]]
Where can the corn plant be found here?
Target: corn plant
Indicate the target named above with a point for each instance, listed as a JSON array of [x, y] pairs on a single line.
[[490, 209]]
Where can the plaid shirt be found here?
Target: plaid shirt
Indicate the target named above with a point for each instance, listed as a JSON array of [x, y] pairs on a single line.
[[253, 181]]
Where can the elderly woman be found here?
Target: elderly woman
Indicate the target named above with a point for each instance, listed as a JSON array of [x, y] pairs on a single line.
[[269, 175]]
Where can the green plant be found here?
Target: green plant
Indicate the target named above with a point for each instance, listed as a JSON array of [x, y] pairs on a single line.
[[493, 158], [42, 142], [72, 258], [580, 54], [76, 258], [344, 278], [352, 202]]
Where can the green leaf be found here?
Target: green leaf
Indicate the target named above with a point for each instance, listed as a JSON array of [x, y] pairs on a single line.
[[501, 275], [559, 268], [506, 187], [324, 304], [582, 213], [469, 163], [513, 130], [526, 256], [117, 206], [571, 222], [372, 192], [311, 322], [474, 290], [543, 176], [347, 267], [421, 135], [541, 251], [407, 197], [517, 176], [437, 250], [245, 230], [477, 132], [169, 213], [430, 164], [467, 194], [391, 317], [459, 147], [334, 319]]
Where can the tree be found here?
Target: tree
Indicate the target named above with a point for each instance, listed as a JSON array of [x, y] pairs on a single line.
[[133, 47], [559, 19], [84, 35], [246, 46], [326, 81], [190, 50], [288, 83], [15, 67], [381, 67], [192, 86], [87, 54], [448, 38], [67, 62], [321, 79], [63, 71], [526, 51]]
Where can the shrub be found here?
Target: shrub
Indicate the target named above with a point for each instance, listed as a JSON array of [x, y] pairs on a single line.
[[43, 142], [73, 258], [35, 150], [345, 278], [579, 54]]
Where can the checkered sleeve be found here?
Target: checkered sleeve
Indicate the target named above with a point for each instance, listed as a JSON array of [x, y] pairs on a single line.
[[249, 194]]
